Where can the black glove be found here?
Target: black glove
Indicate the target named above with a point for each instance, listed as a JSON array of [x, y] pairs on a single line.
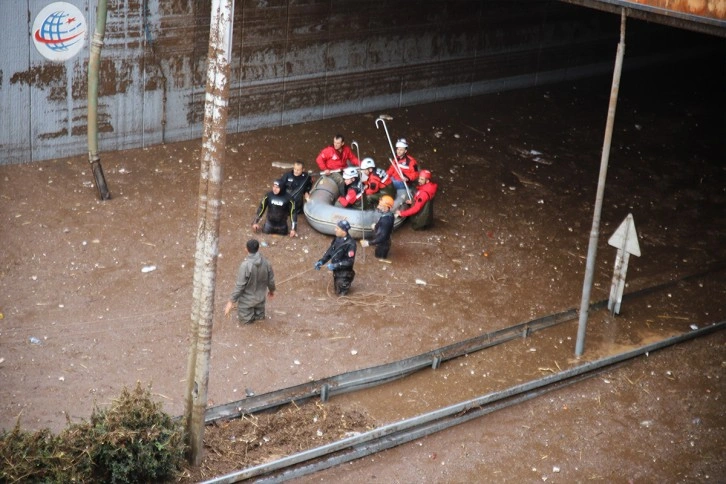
[[318, 265]]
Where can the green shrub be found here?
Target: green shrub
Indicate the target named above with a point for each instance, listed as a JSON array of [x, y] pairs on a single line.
[[131, 441], [135, 441]]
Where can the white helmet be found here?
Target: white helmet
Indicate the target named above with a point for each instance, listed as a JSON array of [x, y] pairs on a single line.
[[350, 173], [401, 143], [367, 163]]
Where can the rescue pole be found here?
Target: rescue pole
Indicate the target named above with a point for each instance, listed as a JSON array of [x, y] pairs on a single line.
[[207, 244], [362, 200], [94, 62], [393, 152], [595, 230]]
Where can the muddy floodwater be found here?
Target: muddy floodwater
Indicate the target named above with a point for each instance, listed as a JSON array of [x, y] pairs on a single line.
[[517, 174]]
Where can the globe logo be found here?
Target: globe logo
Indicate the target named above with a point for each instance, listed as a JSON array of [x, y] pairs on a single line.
[[59, 31]]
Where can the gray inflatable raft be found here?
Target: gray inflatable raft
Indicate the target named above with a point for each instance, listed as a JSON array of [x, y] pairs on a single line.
[[323, 215]]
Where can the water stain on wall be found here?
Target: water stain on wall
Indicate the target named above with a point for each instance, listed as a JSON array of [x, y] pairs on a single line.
[[41, 76]]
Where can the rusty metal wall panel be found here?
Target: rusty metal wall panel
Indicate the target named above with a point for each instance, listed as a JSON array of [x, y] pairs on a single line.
[[16, 78], [57, 99], [292, 61]]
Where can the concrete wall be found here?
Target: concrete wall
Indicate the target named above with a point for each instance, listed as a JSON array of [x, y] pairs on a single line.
[[293, 61]]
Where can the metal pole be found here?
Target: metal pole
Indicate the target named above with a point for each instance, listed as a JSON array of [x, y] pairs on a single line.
[[595, 230], [94, 62], [394, 162], [207, 247]]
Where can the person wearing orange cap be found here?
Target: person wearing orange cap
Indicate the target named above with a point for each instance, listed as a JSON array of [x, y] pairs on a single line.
[[421, 210], [382, 229]]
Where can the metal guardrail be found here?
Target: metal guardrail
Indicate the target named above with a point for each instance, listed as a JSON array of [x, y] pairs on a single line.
[[410, 429], [377, 375]]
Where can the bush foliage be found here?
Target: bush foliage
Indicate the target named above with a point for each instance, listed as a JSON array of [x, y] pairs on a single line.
[[131, 441]]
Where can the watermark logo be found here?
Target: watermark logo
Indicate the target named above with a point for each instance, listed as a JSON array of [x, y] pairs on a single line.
[[59, 31]]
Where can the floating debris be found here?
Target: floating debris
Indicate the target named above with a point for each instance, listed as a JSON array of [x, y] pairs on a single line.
[[420, 282], [148, 268]]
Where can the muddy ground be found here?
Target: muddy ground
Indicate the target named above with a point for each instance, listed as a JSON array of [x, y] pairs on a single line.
[[517, 172]]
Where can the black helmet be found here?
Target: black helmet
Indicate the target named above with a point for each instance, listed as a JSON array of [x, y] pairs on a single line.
[[344, 225]]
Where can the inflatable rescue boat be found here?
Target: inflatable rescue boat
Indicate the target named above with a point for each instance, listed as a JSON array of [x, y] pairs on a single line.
[[322, 214]]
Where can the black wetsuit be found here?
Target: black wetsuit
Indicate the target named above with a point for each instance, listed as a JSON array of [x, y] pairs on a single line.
[[296, 187], [341, 255], [279, 208]]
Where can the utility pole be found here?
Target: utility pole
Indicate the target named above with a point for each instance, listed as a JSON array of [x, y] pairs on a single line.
[[94, 62], [595, 230], [207, 246]]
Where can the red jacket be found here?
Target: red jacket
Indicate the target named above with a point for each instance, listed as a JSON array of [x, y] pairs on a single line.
[[408, 166], [424, 193], [332, 159], [377, 180], [353, 193]]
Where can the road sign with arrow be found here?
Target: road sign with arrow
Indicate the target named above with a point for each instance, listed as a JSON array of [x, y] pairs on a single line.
[[625, 239]]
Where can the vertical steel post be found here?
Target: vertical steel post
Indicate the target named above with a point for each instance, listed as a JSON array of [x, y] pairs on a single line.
[[595, 230], [94, 62], [207, 246]]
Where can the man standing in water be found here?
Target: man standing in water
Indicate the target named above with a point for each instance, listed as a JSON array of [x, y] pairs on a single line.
[[421, 210], [382, 229], [296, 184], [341, 255], [279, 207], [254, 279]]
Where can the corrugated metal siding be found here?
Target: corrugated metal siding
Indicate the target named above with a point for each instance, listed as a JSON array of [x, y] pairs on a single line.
[[292, 62], [15, 88]]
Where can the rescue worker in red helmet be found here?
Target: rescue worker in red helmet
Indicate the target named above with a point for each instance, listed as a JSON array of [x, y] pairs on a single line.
[[376, 183], [382, 229], [341, 255], [421, 210], [353, 192], [405, 163]]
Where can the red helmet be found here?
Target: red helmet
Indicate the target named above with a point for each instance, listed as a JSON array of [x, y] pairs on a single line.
[[424, 174]]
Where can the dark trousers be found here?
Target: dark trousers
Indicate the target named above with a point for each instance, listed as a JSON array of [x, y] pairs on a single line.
[[272, 228], [342, 279], [382, 250]]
